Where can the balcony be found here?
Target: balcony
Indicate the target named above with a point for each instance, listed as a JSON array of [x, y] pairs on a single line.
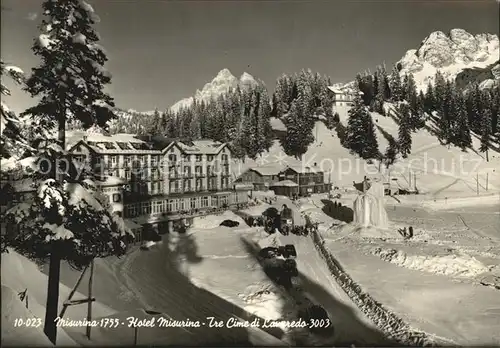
[[188, 175]]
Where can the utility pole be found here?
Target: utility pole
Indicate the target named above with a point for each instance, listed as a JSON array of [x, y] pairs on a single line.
[[89, 311], [415, 181], [487, 181], [477, 184]]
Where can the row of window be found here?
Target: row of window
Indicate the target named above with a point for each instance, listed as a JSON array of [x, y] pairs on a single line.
[[173, 205]]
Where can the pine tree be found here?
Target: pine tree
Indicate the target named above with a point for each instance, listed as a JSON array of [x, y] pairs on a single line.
[[264, 119], [296, 141], [485, 132], [439, 91], [62, 223], [429, 102], [404, 133], [361, 136], [395, 85], [391, 152], [462, 137], [12, 141]]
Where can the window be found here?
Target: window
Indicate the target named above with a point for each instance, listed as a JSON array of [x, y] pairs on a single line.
[[198, 170], [146, 208], [204, 202], [126, 160], [187, 185], [198, 158], [114, 159], [186, 158], [117, 197], [127, 174], [154, 160], [225, 158], [199, 184], [215, 201], [210, 158], [193, 203], [172, 158], [182, 204]]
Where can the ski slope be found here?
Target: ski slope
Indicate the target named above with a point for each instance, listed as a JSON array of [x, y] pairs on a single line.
[[440, 171]]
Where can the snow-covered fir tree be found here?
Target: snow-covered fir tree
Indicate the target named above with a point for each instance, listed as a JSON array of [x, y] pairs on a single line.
[[395, 85], [485, 132], [461, 130], [66, 221], [12, 142], [296, 141], [404, 133], [361, 137]]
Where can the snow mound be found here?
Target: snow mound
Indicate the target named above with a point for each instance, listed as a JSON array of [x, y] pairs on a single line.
[[460, 266], [212, 221], [256, 210], [263, 301], [20, 336], [371, 232]]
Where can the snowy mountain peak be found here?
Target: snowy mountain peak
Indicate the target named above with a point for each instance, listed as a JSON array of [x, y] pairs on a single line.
[[221, 84], [450, 53]]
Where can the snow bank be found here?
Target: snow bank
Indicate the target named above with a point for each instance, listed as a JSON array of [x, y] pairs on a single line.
[[351, 230], [256, 210], [212, 221], [461, 266], [20, 336], [263, 301]]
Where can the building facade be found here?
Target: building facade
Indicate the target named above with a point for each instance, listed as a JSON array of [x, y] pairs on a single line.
[[260, 177], [309, 179], [166, 181], [342, 97]]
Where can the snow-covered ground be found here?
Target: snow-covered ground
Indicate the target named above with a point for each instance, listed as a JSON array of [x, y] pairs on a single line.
[[432, 280]]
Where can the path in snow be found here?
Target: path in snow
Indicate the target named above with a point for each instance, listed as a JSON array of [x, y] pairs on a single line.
[[351, 325], [156, 281]]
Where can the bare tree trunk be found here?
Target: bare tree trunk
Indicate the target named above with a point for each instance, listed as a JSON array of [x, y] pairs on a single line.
[[52, 305], [50, 328]]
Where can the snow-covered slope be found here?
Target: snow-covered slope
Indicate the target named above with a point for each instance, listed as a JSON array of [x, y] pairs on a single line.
[[221, 84], [450, 53], [440, 171]]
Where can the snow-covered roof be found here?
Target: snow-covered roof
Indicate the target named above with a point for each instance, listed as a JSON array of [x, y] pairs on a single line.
[[284, 183], [201, 147], [335, 90], [304, 169], [267, 170], [277, 124], [344, 90]]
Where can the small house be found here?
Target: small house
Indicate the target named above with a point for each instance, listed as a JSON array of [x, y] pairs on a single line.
[[260, 177], [343, 96], [310, 179]]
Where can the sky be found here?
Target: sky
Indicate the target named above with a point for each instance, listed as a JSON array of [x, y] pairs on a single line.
[[162, 51]]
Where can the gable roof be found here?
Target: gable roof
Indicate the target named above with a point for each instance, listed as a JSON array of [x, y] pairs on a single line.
[[266, 170], [304, 169]]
